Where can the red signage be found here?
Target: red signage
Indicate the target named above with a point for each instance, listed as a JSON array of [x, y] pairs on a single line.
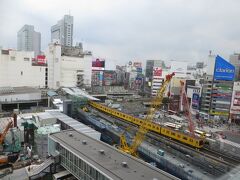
[[157, 71], [98, 64], [41, 59]]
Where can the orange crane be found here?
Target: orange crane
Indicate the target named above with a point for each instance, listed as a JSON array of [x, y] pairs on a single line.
[[3, 158], [186, 109], [5, 131], [142, 130]]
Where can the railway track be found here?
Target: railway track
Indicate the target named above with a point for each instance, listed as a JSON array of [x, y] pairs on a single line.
[[204, 152]]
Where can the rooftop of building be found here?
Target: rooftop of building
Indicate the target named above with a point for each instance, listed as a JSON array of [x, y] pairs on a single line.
[[18, 90], [108, 160]]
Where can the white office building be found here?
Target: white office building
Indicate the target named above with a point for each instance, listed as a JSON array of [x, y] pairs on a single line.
[[63, 31], [29, 40], [68, 66], [17, 70]]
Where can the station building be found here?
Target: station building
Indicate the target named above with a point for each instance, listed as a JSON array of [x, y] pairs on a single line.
[[87, 158]]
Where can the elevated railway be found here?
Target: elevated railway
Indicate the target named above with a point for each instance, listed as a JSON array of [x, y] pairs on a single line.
[[196, 142], [219, 161]]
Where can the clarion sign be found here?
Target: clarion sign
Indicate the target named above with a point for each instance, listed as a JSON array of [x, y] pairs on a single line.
[[223, 70]]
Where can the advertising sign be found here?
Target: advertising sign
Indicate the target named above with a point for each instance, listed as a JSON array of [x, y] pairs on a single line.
[[223, 70], [195, 101], [157, 71], [98, 64], [137, 64], [109, 78], [139, 70], [40, 59]]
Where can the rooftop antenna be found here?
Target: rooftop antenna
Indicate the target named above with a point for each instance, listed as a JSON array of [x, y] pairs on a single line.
[[210, 52]]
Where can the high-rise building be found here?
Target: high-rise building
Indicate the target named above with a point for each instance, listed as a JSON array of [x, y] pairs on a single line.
[[235, 105], [63, 31], [235, 60], [29, 40], [149, 67], [217, 88]]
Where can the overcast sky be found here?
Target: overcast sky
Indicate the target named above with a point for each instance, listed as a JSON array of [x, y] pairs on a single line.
[[124, 30]]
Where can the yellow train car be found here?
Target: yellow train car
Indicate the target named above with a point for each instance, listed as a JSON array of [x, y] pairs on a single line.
[[184, 138]]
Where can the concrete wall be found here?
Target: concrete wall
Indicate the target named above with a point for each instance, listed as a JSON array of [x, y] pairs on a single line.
[[19, 97], [63, 70], [16, 70]]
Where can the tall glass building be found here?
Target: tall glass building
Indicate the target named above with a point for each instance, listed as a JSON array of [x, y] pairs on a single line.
[[63, 31]]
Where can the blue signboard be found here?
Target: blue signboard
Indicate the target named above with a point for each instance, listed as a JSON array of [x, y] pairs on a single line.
[[223, 70], [195, 101]]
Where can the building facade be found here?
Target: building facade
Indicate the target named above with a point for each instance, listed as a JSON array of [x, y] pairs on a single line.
[[88, 159], [235, 60], [217, 89], [63, 31], [150, 64], [29, 40], [17, 70], [235, 105], [68, 66]]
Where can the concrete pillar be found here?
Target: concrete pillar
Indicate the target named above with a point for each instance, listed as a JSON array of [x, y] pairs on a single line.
[[0, 107], [18, 105], [37, 104], [49, 101]]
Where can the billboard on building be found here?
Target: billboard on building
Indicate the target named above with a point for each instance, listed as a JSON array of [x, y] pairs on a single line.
[[195, 101], [98, 64], [223, 70], [109, 78], [97, 78], [41, 59], [137, 64], [139, 70], [157, 71]]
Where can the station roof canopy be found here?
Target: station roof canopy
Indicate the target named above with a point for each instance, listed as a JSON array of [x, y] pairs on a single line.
[[78, 92]]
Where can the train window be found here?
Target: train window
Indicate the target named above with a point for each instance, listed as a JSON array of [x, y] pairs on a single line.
[[167, 132], [163, 130], [184, 137], [173, 133], [200, 143], [157, 128], [153, 127], [149, 125], [191, 140], [178, 136]]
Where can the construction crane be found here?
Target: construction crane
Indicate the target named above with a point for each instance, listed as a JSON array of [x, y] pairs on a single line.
[[186, 109], [5, 131], [142, 130]]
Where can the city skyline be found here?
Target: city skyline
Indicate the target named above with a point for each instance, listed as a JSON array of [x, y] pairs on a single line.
[[139, 30]]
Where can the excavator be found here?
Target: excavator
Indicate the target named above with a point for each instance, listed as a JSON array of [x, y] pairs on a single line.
[[142, 130]]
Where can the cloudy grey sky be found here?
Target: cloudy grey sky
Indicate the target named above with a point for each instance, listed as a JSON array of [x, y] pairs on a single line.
[[124, 30]]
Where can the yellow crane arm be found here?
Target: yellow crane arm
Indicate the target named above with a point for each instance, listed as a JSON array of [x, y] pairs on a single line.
[[139, 137]]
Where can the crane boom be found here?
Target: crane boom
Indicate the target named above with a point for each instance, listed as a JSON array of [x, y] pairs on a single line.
[[142, 130], [3, 135], [186, 109]]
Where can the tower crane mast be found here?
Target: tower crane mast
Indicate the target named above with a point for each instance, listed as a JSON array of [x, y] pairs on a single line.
[[186, 109]]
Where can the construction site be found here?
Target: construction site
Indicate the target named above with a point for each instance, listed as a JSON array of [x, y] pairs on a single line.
[[83, 136]]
